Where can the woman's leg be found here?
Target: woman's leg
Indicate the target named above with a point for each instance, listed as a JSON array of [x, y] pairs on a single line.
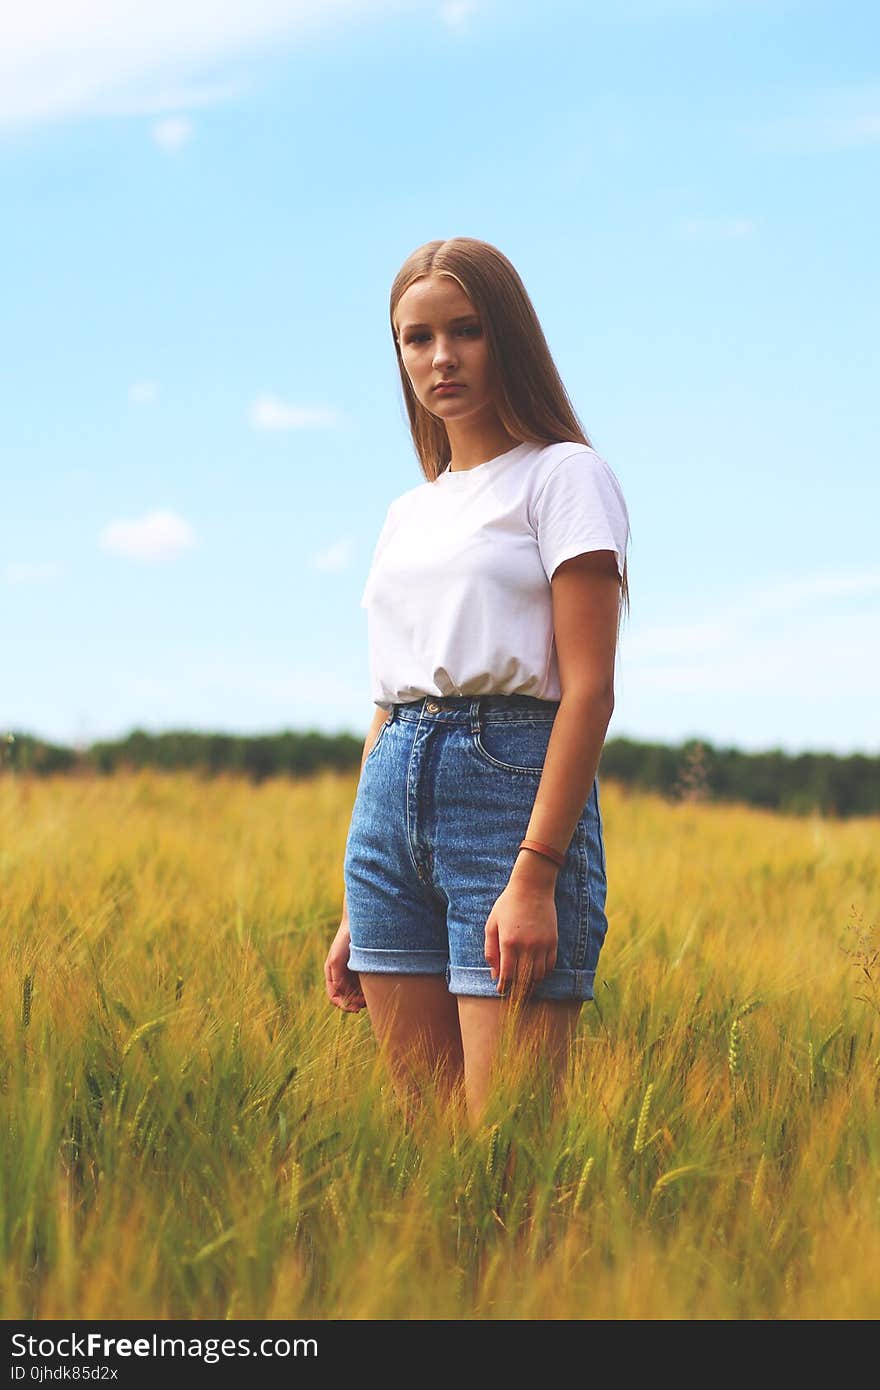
[[499, 1031], [415, 1020]]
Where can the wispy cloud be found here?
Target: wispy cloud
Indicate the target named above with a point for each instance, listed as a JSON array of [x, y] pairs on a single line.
[[25, 572], [154, 536], [336, 558], [749, 603], [191, 97], [776, 597], [143, 392], [835, 657], [268, 413], [172, 132], [63, 58], [834, 120], [456, 13], [736, 615], [787, 636]]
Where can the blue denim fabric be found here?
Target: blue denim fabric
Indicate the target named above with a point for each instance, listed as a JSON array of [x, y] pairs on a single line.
[[444, 798]]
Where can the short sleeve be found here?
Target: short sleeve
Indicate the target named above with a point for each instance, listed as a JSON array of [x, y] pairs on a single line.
[[580, 507], [384, 535]]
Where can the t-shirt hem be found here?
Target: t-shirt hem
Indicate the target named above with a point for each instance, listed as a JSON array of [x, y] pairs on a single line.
[[582, 548]]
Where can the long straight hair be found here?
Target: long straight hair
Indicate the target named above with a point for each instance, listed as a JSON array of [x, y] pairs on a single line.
[[530, 398]]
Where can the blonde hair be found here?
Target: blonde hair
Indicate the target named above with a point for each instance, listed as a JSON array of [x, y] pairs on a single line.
[[530, 398]]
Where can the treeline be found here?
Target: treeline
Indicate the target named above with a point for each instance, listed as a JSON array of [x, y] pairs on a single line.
[[691, 771]]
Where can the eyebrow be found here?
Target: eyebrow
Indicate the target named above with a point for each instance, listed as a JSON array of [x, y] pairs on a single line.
[[462, 318]]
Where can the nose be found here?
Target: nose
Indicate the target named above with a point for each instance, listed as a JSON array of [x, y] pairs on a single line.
[[443, 354]]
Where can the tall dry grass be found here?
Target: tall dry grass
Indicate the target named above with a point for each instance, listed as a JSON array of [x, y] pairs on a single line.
[[190, 1130]]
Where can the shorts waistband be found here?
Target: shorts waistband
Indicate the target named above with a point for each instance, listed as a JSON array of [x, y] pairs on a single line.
[[473, 709]]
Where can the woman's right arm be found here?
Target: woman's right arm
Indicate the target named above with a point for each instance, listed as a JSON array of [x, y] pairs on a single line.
[[343, 985]]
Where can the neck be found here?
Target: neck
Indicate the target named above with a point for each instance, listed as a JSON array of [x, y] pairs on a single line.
[[471, 445]]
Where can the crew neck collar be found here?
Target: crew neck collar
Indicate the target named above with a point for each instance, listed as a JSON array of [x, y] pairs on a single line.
[[458, 477]]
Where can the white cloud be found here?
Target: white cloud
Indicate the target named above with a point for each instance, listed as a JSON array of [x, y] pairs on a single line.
[[142, 392], [334, 559], [456, 13], [835, 657], [31, 573], [62, 58], [268, 413], [798, 635], [193, 97], [839, 118], [172, 132], [150, 537], [748, 605], [776, 597]]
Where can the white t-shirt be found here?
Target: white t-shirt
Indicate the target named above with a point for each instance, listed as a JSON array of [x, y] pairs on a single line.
[[458, 595]]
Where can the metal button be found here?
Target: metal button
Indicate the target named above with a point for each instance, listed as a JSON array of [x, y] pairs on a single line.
[[432, 707]]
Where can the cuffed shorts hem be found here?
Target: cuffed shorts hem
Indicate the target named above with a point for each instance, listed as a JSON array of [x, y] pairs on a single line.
[[475, 980], [380, 962], [559, 984]]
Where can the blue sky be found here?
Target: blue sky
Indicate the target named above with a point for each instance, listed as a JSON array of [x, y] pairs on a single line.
[[205, 204]]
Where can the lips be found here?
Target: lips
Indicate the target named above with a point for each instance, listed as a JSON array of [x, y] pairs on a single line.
[[449, 386]]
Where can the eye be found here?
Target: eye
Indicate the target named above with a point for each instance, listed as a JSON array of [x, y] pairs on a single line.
[[468, 328]]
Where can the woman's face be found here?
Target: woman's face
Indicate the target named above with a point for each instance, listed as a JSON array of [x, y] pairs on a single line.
[[441, 339]]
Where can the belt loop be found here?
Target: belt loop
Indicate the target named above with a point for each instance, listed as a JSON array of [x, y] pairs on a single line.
[[393, 714], [476, 722]]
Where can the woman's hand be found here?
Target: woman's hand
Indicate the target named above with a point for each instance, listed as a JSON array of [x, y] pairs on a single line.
[[343, 985], [522, 931]]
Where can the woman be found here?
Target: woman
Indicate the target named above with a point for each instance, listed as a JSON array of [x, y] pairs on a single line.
[[475, 865]]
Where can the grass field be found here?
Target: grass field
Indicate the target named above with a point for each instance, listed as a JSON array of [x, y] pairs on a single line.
[[190, 1130]]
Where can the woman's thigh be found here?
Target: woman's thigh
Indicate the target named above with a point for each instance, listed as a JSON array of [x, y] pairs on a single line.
[[415, 1020], [504, 1040]]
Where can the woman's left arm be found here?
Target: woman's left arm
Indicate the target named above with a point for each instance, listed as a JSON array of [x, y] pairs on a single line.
[[521, 931]]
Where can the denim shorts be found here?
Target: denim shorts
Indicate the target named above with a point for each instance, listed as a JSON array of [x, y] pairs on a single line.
[[444, 798]]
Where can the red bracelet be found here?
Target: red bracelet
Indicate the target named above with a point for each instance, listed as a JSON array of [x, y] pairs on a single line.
[[547, 850]]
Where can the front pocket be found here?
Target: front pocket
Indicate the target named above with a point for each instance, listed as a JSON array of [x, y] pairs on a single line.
[[516, 745], [378, 739]]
